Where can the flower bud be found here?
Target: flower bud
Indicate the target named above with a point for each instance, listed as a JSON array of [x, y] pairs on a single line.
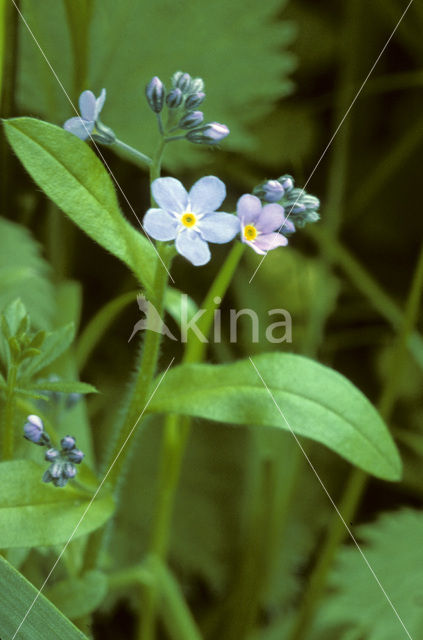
[[174, 98], [191, 119], [68, 470], [68, 442], [197, 85], [194, 100], [287, 182], [181, 81], [155, 94], [34, 430], [75, 455], [47, 477], [61, 481], [52, 454], [56, 469], [211, 133], [272, 191]]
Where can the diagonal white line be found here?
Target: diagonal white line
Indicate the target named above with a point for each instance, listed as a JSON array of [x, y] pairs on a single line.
[[90, 136], [350, 533], [92, 500], [340, 124]]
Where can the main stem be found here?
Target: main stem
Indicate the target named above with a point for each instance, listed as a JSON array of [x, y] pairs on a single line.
[[141, 388], [175, 437], [9, 413]]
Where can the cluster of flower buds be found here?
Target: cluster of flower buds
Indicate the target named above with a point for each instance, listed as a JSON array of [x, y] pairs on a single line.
[[62, 462], [182, 101], [59, 398], [300, 207]]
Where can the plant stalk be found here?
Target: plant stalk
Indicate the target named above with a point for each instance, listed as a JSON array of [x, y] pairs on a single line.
[[175, 437]]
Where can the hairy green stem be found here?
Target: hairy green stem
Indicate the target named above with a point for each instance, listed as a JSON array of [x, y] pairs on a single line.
[[141, 388], [9, 414], [144, 159], [175, 436], [357, 479]]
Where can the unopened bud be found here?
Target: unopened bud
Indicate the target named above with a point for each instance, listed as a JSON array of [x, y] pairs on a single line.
[[174, 98], [191, 119], [155, 94], [182, 81], [194, 100], [211, 133]]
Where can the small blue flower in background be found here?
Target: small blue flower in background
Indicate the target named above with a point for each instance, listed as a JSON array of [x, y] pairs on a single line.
[[301, 207], [259, 225], [62, 463], [190, 218], [90, 108], [62, 467], [34, 431]]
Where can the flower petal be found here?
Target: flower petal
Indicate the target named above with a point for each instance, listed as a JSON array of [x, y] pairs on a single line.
[[254, 247], [219, 227], [160, 225], [170, 195], [207, 194], [248, 208], [79, 127], [269, 241], [271, 218], [87, 105], [99, 103], [191, 245], [288, 226]]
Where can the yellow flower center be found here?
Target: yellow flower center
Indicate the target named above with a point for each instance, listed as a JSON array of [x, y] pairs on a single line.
[[250, 232], [188, 219]]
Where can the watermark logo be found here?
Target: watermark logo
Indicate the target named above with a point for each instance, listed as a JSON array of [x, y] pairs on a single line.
[[277, 330], [152, 320]]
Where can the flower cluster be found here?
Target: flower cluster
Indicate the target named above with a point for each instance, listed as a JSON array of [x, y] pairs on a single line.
[[182, 102], [301, 208], [59, 398], [192, 219], [62, 462]]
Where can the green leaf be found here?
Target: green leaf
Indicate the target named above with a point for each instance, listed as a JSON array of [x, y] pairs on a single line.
[[24, 274], [55, 343], [64, 386], [311, 399], [14, 314], [33, 513], [78, 597], [71, 175], [392, 546], [44, 622]]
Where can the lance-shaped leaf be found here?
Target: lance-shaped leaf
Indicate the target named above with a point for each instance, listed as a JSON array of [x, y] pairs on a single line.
[[33, 513], [70, 173], [43, 622], [290, 392]]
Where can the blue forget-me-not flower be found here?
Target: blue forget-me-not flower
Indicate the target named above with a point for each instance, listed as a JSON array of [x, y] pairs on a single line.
[[259, 225], [90, 108], [190, 218]]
